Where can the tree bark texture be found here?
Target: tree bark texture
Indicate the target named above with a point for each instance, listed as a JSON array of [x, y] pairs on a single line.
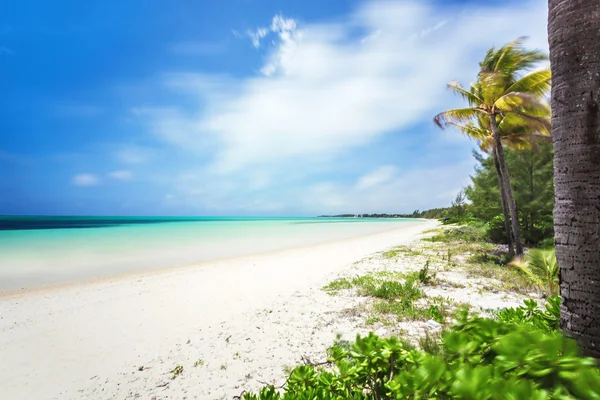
[[511, 247], [574, 38], [510, 198]]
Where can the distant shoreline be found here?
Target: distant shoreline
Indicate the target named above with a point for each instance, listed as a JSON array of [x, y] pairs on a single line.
[[370, 216]]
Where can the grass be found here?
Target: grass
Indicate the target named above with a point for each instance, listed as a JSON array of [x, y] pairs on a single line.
[[461, 234], [178, 370], [364, 284], [400, 250], [501, 277], [398, 296], [431, 343], [199, 363]]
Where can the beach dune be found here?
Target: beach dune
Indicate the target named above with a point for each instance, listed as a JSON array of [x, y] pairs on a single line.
[[240, 319]]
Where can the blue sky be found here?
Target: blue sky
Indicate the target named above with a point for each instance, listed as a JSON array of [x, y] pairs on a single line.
[[239, 107]]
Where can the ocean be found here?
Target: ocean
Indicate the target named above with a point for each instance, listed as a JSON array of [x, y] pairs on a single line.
[[38, 251]]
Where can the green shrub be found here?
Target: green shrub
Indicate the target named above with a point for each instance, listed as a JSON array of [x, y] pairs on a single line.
[[472, 233], [505, 358], [545, 320]]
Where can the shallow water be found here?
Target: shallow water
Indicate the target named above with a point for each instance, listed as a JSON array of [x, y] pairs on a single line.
[[47, 250]]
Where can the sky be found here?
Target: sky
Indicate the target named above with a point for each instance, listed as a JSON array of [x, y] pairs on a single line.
[[239, 107]]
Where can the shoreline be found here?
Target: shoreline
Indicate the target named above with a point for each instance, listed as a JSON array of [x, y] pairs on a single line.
[[245, 318], [10, 293]]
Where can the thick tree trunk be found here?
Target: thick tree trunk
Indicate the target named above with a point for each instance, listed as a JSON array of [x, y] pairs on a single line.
[[574, 37], [510, 198], [511, 247]]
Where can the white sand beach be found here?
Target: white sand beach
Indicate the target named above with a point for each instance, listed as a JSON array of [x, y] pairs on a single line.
[[246, 319]]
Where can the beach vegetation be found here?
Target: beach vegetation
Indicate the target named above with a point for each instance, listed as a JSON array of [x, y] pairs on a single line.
[[199, 363], [178, 370], [518, 354], [395, 252], [541, 268]]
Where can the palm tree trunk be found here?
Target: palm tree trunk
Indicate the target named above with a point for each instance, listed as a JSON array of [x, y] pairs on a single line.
[[573, 32], [511, 247], [510, 198]]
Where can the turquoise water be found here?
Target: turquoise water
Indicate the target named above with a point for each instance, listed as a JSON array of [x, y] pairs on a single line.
[[47, 250]]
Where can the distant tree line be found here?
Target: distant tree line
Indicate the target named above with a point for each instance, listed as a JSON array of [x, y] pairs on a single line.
[[432, 214]]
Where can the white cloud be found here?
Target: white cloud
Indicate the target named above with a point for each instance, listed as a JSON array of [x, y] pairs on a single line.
[[85, 180], [389, 190], [257, 35], [332, 87], [377, 177], [121, 175]]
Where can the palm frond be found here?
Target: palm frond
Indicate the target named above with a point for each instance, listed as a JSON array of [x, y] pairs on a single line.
[[539, 121], [470, 96], [523, 102], [536, 83], [505, 51], [511, 59], [470, 130], [526, 268], [515, 124], [456, 116], [541, 267], [492, 87], [486, 144]]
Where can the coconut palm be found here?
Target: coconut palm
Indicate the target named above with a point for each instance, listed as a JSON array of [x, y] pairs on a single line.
[[573, 34], [540, 266], [500, 92], [515, 133]]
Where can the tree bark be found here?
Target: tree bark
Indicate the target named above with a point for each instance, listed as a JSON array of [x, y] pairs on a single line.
[[574, 38], [511, 247], [510, 198]]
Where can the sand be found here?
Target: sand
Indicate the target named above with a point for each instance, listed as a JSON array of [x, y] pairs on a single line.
[[244, 320]]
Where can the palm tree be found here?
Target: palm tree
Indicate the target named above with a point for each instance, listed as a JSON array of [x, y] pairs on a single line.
[[501, 91], [573, 32], [540, 266], [516, 133]]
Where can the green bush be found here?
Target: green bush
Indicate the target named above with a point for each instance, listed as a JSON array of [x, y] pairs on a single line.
[[545, 320], [512, 357]]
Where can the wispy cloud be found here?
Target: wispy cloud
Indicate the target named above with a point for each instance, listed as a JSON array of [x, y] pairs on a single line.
[[377, 177], [122, 175], [330, 88], [6, 50], [85, 179]]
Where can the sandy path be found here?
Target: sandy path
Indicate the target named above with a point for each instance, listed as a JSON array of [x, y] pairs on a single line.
[[245, 318]]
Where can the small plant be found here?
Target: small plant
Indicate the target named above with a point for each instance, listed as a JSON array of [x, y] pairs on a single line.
[[541, 268], [223, 367], [199, 363], [424, 276], [178, 370], [236, 355], [435, 313], [431, 343]]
